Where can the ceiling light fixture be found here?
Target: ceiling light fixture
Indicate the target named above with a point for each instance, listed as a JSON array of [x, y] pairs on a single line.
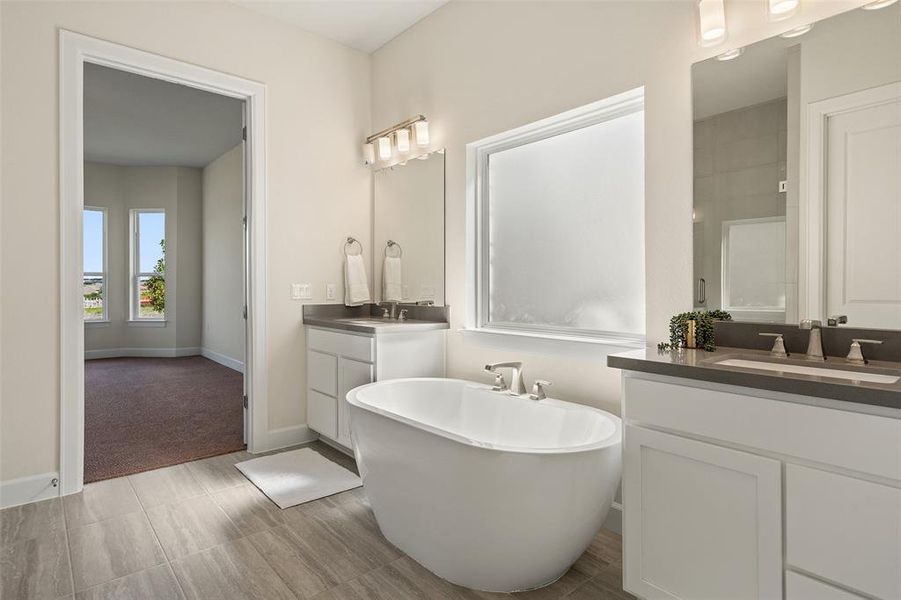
[[797, 31], [878, 4], [781, 9], [730, 54], [401, 133], [711, 22]]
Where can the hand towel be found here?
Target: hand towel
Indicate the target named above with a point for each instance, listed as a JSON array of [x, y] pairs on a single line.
[[356, 286], [392, 283]]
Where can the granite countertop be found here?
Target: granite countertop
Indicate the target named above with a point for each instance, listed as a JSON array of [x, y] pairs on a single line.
[[701, 365], [372, 325]]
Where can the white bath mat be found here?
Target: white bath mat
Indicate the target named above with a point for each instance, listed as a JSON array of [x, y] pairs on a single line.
[[298, 476]]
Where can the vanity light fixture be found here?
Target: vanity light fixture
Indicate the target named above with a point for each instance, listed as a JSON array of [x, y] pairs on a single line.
[[878, 4], [402, 138], [781, 9], [797, 31], [384, 148], [368, 154], [421, 130], [711, 22], [401, 133], [731, 54]]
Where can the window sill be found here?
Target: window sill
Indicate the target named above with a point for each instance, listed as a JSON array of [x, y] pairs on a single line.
[[147, 322], [550, 343], [97, 323]]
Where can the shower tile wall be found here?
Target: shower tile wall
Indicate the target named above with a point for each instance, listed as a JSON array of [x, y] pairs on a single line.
[[739, 160]]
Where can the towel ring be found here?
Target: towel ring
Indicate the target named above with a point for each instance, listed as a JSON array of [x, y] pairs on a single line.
[[393, 244], [350, 242]]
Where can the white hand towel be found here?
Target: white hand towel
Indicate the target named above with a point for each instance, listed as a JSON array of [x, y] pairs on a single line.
[[356, 286], [392, 283]]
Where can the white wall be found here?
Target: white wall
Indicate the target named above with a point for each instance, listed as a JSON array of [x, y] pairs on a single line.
[[223, 252], [479, 68], [177, 191], [318, 109]]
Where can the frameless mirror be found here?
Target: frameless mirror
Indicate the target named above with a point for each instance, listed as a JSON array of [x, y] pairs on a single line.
[[797, 175], [408, 231]]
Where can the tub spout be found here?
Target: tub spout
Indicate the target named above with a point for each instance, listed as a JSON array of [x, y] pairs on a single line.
[[518, 387]]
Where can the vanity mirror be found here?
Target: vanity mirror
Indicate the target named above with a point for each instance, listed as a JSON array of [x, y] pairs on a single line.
[[797, 174], [408, 230]]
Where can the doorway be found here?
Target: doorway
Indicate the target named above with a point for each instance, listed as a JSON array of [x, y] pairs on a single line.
[[80, 55]]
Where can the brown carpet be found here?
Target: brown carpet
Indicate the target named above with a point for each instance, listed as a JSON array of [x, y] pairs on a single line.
[[147, 413]]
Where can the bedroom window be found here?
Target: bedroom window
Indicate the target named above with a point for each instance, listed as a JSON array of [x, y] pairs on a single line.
[[148, 265], [94, 264]]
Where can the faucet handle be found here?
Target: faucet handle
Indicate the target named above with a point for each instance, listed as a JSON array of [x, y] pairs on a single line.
[[500, 385], [778, 344], [855, 355], [538, 392], [402, 315]]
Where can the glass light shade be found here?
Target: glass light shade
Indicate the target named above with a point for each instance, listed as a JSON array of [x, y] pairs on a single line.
[[797, 31], [730, 54], [402, 138], [421, 131], [878, 4], [384, 148], [781, 9], [712, 22], [368, 153]]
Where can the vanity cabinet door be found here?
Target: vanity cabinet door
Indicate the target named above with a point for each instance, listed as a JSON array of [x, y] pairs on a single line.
[[322, 414], [351, 373], [701, 521]]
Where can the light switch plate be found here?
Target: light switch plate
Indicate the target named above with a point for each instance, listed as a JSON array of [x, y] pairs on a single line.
[[295, 291], [301, 291], [331, 290]]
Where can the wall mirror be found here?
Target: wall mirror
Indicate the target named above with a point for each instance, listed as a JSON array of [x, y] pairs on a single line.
[[797, 174], [408, 231]]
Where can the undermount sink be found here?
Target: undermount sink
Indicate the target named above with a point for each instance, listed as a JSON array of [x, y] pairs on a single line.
[[809, 370]]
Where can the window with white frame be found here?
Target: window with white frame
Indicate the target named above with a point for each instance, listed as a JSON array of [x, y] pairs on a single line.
[[148, 265], [558, 225], [94, 264]]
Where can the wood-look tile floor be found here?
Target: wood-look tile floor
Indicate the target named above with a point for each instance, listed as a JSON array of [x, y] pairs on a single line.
[[200, 530]]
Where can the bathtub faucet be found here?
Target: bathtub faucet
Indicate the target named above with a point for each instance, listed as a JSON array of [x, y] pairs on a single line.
[[518, 386]]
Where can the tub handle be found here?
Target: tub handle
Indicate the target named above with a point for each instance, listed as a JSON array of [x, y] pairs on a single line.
[[538, 392], [500, 385]]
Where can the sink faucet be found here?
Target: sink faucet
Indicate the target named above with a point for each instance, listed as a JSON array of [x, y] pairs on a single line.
[[778, 345], [855, 355], [518, 386], [386, 313], [815, 341]]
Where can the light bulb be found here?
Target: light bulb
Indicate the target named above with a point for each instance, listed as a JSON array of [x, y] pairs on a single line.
[[712, 22], [368, 153], [421, 131], [402, 138], [797, 31], [781, 9], [384, 148]]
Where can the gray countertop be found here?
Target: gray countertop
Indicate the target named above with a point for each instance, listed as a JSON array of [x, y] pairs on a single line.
[[701, 365], [372, 325]]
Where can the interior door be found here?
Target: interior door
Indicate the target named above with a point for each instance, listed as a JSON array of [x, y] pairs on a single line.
[[863, 214]]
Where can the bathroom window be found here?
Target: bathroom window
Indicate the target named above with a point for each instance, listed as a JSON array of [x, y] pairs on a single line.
[[94, 264], [754, 266], [148, 265], [558, 225]]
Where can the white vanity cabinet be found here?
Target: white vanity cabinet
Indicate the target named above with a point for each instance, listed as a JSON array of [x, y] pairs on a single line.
[[736, 493], [338, 361]]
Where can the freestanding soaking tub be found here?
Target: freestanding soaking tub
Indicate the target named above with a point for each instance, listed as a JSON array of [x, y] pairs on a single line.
[[487, 490]]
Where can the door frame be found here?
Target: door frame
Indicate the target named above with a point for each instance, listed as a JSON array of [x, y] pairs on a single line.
[[812, 204], [74, 51]]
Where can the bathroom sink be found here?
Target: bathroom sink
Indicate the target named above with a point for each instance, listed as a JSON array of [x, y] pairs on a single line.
[[370, 321], [759, 365]]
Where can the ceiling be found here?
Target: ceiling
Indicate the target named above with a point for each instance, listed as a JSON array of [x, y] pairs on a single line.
[[134, 120], [366, 25]]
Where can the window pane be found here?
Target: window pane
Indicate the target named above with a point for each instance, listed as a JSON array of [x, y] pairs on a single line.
[[93, 241], [152, 240], [152, 297], [93, 298], [566, 229]]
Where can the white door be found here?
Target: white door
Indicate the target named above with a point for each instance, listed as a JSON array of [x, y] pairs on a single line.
[[351, 374], [863, 212], [701, 521]]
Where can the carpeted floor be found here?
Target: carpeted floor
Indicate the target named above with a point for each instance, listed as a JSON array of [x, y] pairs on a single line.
[[147, 413]]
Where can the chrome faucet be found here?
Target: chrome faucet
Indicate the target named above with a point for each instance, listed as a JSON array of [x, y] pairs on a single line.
[[855, 355], [538, 387], [815, 340], [518, 386], [778, 345]]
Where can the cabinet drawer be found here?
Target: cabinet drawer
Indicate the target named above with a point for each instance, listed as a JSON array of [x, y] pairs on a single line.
[[799, 587], [844, 529], [322, 372], [358, 347], [322, 414]]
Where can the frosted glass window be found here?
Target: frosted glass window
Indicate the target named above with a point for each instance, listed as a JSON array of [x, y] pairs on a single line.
[[565, 231], [754, 264]]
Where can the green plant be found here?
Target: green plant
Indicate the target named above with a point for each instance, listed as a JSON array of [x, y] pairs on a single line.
[[156, 283], [704, 334]]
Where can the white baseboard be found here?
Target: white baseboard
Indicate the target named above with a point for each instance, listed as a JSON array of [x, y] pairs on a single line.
[[226, 361], [28, 489], [614, 520], [141, 352], [286, 437], [339, 447]]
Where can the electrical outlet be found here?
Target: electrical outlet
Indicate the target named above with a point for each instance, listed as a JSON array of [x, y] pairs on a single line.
[[331, 290]]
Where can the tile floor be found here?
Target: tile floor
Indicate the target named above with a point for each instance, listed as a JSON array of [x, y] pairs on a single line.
[[200, 530]]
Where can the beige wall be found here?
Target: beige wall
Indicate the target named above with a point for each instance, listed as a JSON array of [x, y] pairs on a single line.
[[479, 68], [318, 109], [176, 190], [223, 252]]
